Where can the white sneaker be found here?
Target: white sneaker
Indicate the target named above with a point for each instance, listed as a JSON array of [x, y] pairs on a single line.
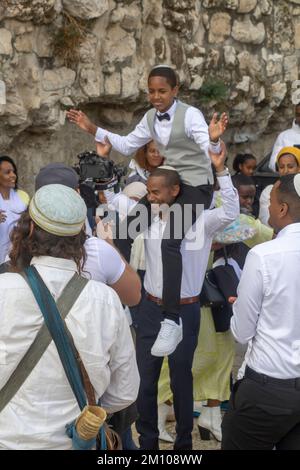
[[169, 336]]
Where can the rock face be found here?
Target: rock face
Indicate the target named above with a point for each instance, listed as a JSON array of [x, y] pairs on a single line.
[[96, 54]]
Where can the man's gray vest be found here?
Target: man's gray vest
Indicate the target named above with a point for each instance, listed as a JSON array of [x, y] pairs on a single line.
[[192, 163]]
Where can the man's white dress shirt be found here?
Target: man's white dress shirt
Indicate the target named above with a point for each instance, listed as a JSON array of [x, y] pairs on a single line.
[[194, 255], [36, 416], [195, 125], [267, 307]]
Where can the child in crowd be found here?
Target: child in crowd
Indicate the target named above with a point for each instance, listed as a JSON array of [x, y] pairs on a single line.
[[244, 163]]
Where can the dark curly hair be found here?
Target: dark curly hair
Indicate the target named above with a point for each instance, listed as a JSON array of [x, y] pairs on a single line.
[[27, 243]]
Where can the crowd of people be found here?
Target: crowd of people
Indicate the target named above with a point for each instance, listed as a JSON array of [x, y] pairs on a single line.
[[196, 260]]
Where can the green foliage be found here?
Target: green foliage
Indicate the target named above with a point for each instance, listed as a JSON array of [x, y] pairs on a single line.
[[67, 40], [213, 90]]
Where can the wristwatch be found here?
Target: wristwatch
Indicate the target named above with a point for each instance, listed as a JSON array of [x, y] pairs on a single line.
[[224, 172]]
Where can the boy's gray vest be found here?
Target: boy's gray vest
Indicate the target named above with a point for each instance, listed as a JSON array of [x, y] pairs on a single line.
[[192, 163]]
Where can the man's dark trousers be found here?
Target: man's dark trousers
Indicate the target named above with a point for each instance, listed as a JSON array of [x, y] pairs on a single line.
[[180, 366], [262, 415]]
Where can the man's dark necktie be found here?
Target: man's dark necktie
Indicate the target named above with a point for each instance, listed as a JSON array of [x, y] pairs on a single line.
[[166, 116]]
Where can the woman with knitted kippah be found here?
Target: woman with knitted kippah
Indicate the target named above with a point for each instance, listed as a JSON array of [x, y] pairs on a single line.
[[37, 400], [13, 202]]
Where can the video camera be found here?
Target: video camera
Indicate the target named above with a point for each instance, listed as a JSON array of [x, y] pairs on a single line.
[[98, 172]]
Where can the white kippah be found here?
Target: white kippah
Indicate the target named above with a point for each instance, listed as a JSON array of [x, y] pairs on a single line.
[[135, 189], [162, 65], [167, 167], [297, 183]]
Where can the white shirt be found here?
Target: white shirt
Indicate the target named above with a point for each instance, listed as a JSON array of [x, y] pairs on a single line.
[[194, 256], [13, 208], [267, 307], [264, 202], [195, 125], [36, 416], [287, 138], [103, 262]]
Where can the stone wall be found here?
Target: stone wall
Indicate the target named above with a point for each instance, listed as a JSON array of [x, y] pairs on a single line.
[[252, 46]]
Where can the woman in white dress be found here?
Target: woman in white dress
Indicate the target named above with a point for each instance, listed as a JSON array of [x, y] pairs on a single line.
[[13, 202]]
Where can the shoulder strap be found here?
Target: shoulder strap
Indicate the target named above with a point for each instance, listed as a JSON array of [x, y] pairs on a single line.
[[58, 332], [41, 342]]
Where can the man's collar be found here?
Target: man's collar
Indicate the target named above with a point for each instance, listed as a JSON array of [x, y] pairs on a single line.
[[291, 228], [52, 262]]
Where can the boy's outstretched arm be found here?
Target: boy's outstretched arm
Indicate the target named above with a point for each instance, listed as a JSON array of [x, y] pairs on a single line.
[[82, 121]]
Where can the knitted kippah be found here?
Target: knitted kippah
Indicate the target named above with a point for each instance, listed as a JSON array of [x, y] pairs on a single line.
[[58, 209]]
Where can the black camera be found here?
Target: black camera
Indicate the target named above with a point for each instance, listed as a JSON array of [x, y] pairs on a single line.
[[98, 172]]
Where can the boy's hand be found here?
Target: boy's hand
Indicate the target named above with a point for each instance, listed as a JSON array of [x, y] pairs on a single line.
[[103, 149], [218, 159], [217, 127], [82, 121]]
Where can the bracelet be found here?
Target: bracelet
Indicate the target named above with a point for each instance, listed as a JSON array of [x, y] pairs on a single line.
[[224, 172], [214, 144]]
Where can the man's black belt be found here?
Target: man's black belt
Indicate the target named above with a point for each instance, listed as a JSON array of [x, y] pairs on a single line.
[[264, 379]]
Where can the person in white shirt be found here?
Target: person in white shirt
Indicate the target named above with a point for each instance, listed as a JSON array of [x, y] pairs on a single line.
[[264, 408], [103, 262], [288, 138], [287, 162], [163, 186], [183, 138], [52, 235], [13, 202]]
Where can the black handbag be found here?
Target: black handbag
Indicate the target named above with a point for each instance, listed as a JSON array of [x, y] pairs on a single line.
[[220, 283], [210, 295]]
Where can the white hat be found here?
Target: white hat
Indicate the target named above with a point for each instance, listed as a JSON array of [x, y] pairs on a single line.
[[162, 65], [135, 189], [167, 167]]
